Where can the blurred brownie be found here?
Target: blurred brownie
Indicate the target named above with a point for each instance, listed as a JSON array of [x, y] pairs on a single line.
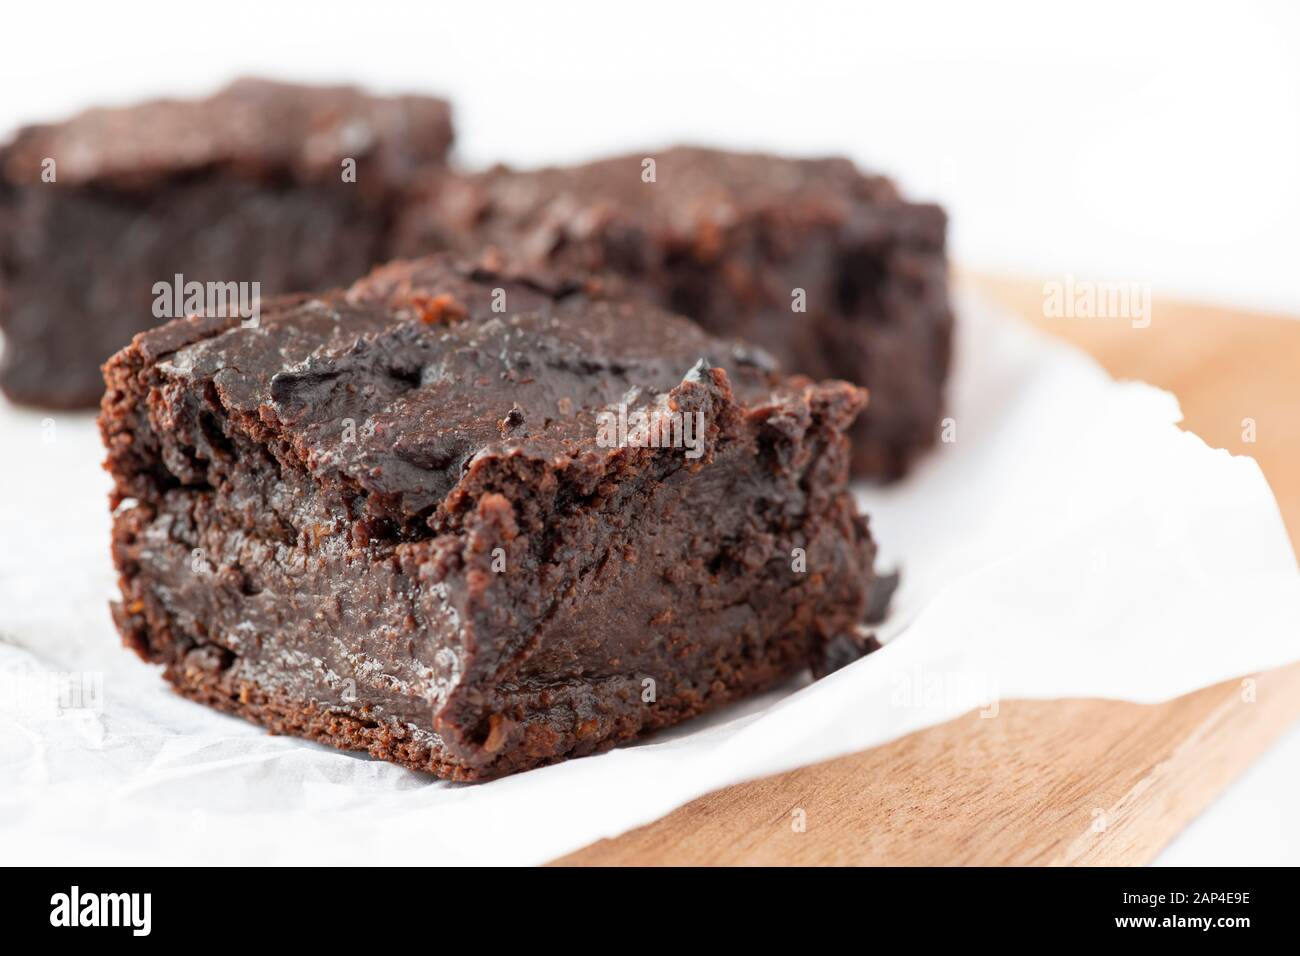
[[250, 186], [829, 269], [474, 524]]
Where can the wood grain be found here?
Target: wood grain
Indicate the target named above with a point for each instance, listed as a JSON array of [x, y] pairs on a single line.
[[1047, 782]]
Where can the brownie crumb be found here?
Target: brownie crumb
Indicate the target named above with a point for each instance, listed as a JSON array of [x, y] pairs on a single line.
[[436, 309], [842, 650], [514, 418], [882, 592]]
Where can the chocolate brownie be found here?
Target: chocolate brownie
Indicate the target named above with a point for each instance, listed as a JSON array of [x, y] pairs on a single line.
[[829, 269], [249, 186], [474, 523]]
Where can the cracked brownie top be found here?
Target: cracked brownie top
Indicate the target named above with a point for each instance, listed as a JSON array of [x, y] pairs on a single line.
[[396, 387]]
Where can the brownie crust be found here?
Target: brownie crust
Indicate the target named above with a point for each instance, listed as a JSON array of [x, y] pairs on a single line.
[[384, 519], [829, 269]]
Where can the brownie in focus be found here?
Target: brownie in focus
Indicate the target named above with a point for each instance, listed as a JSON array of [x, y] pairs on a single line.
[[388, 518], [733, 241], [247, 186]]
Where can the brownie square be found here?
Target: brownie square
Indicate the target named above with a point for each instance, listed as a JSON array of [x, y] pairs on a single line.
[[248, 186], [829, 269], [398, 518]]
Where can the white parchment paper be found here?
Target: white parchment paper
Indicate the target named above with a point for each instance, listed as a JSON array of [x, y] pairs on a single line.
[[1071, 541]]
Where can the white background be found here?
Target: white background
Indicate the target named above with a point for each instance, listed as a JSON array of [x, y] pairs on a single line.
[[1138, 141], [1157, 143]]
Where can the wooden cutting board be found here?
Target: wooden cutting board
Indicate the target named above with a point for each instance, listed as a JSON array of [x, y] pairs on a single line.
[[1048, 782]]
